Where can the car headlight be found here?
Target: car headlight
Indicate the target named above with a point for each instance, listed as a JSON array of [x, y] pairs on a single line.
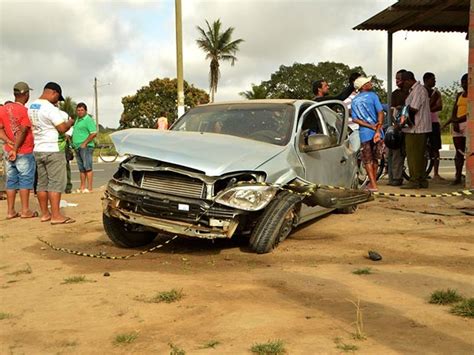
[[247, 197]]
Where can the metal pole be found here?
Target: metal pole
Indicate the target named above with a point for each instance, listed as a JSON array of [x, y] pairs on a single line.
[[470, 104], [389, 73], [179, 58], [96, 103]]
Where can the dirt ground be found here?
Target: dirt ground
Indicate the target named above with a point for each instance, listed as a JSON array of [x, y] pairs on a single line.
[[301, 293]]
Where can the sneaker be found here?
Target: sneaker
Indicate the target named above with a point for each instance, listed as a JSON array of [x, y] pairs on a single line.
[[424, 184], [85, 191], [397, 182], [410, 185]]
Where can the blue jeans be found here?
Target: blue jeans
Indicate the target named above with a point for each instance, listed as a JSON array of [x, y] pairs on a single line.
[[21, 172], [84, 159]]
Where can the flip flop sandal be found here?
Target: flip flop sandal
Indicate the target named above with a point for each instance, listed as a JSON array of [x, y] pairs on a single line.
[[33, 215], [16, 215], [68, 220]]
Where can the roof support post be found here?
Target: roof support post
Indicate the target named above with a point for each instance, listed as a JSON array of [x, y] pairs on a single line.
[[470, 102], [389, 73]]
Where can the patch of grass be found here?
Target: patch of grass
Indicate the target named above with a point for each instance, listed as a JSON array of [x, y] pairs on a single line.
[[4, 315], [362, 271], [76, 280], [69, 343], [210, 344], [164, 296], [347, 347], [272, 347], [445, 297], [176, 350], [465, 308], [126, 338], [26, 270]]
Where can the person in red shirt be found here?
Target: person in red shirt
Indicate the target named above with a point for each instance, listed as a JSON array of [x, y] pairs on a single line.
[[15, 130]]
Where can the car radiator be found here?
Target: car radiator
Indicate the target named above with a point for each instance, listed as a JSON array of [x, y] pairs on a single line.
[[173, 184]]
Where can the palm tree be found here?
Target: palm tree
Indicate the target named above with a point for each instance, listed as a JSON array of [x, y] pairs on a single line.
[[257, 92], [69, 106], [218, 46]]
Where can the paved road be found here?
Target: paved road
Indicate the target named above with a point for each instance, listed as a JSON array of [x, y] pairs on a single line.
[[102, 174], [104, 171]]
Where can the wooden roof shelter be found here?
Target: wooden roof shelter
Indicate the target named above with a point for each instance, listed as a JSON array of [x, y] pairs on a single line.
[[431, 16]]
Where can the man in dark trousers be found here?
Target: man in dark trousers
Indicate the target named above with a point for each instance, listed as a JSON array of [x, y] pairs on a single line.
[[416, 134], [396, 157]]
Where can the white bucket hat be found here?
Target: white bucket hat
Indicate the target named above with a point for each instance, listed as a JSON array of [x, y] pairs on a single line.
[[361, 81]]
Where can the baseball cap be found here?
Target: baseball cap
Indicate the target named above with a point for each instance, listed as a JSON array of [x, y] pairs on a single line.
[[361, 81], [21, 87], [55, 86]]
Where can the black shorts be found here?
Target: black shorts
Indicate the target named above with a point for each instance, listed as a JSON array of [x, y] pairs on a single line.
[[434, 137]]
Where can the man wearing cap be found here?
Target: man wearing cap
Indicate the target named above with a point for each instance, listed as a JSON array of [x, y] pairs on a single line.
[[367, 112], [51, 163], [83, 142], [15, 126], [416, 135]]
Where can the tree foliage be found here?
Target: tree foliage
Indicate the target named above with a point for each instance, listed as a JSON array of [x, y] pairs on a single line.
[[218, 46], [157, 99], [68, 106], [448, 95], [257, 92], [295, 81]]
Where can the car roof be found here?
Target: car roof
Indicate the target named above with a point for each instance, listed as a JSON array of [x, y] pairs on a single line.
[[262, 101]]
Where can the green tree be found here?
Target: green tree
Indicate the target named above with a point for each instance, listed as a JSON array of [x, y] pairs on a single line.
[[257, 92], [448, 94], [68, 106], [218, 46], [155, 100], [295, 81]]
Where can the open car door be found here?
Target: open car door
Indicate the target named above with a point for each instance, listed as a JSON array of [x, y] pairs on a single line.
[[327, 157]]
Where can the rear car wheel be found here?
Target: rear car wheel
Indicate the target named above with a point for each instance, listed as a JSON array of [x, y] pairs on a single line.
[[124, 234], [276, 223]]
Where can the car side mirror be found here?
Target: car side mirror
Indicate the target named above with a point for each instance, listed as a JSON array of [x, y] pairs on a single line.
[[317, 142]]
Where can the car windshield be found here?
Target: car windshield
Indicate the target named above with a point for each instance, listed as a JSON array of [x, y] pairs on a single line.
[[269, 123]]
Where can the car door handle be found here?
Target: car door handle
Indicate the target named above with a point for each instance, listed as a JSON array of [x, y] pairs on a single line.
[[343, 160]]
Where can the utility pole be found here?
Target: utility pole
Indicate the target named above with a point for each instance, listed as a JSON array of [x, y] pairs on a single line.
[[96, 103], [179, 58]]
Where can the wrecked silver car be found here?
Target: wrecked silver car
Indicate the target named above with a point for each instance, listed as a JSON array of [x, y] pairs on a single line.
[[245, 168]]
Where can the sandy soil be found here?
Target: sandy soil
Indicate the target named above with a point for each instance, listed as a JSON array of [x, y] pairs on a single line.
[[301, 293]]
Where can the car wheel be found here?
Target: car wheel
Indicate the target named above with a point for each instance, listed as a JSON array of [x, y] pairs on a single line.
[[125, 235], [276, 223]]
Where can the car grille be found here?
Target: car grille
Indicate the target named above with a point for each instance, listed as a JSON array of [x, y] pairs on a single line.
[[173, 184]]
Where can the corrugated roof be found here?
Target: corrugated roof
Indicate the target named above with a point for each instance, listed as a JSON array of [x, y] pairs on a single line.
[[421, 15]]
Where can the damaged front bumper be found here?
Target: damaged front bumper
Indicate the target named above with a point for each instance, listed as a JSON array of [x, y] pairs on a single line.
[[186, 217]]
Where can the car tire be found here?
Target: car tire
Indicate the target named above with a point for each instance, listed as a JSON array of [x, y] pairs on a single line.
[[275, 223], [124, 236]]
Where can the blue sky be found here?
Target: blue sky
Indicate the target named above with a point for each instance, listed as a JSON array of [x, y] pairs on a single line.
[[130, 42]]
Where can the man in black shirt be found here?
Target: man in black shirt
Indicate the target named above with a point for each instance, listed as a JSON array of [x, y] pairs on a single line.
[[396, 157], [321, 90]]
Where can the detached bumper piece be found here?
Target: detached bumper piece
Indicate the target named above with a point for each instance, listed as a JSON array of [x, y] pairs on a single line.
[[175, 215], [330, 197]]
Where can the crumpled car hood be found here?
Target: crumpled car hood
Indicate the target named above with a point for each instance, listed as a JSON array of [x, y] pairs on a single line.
[[214, 154]]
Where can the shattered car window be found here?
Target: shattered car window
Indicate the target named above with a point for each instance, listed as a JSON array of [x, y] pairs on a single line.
[[269, 123]]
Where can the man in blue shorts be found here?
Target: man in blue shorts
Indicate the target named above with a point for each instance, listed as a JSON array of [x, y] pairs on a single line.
[[367, 112], [15, 126], [83, 136]]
